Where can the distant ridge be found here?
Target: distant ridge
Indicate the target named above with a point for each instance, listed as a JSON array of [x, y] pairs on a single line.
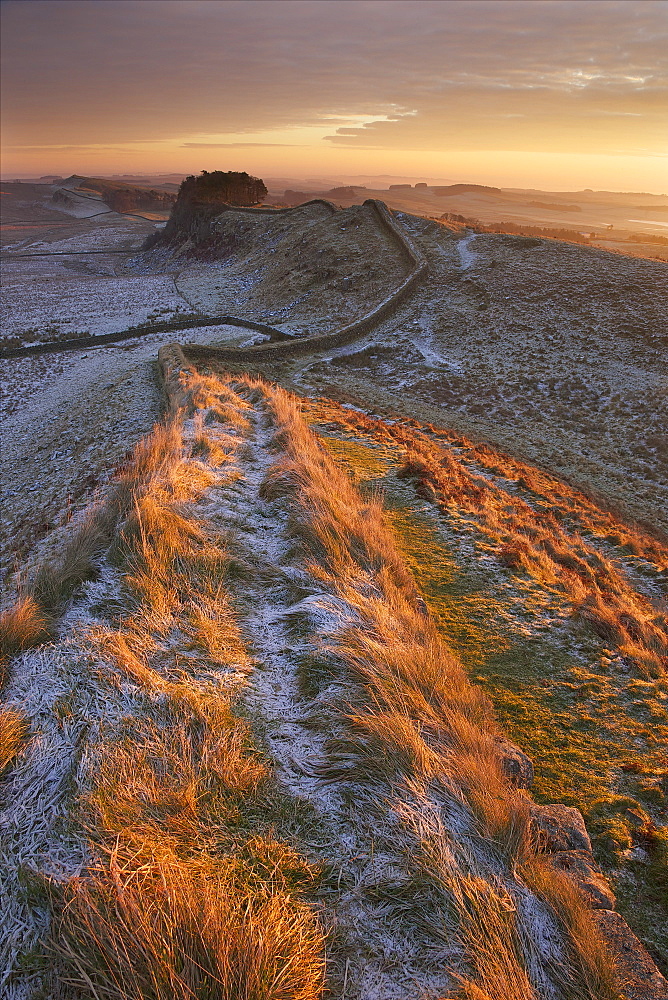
[[463, 188]]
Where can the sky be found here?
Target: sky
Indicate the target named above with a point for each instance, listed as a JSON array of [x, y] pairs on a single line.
[[551, 94]]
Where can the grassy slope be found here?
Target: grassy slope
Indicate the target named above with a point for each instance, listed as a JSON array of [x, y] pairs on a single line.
[[594, 728], [201, 860]]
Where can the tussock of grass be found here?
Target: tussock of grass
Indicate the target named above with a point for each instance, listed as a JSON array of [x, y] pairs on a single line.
[[487, 927], [157, 457], [175, 778], [21, 626], [153, 459], [55, 581], [169, 931], [13, 732], [480, 914], [210, 449]]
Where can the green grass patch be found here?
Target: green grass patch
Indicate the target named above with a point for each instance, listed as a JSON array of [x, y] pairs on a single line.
[[597, 737]]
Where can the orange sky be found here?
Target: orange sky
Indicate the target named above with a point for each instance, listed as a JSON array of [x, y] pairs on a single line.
[[557, 94]]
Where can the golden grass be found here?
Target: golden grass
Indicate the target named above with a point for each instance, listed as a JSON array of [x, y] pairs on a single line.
[[488, 932], [13, 732], [158, 458], [21, 626], [42, 598], [480, 914], [170, 931], [183, 903], [56, 580], [210, 449], [420, 705], [590, 971], [212, 399], [589, 513], [175, 779], [539, 544], [419, 720]]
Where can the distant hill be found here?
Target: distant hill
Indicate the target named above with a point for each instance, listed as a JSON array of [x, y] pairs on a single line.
[[124, 197], [463, 189]]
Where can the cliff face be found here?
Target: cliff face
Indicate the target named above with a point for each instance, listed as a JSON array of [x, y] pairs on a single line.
[[201, 199], [191, 220]]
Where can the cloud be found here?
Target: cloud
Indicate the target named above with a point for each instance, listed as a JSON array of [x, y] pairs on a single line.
[[579, 75], [240, 145]]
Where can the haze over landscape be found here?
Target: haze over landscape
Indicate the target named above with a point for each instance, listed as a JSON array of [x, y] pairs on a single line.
[[334, 615]]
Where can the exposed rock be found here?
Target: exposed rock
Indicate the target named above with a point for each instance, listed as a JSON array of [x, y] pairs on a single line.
[[588, 877], [517, 767], [640, 978], [560, 828]]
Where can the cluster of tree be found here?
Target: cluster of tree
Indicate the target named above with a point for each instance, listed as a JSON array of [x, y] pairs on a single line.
[[201, 199], [647, 238], [219, 186], [131, 199]]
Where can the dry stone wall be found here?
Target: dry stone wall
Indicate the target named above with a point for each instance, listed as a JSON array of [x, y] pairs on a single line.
[[344, 335]]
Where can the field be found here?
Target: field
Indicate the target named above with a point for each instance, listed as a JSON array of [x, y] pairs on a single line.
[[337, 671]]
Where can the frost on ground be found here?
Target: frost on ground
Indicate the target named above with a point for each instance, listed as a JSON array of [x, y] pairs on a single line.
[[74, 712], [66, 279], [69, 420], [595, 729], [308, 271], [41, 308], [547, 350], [552, 351], [403, 859]]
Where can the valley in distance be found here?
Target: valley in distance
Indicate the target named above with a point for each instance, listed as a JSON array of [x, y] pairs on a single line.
[[335, 605]]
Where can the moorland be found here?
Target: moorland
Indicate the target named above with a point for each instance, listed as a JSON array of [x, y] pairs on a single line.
[[335, 628]]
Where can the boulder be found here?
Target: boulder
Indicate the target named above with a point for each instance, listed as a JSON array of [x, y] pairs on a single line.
[[638, 975], [587, 876], [560, 828], [516, 766]]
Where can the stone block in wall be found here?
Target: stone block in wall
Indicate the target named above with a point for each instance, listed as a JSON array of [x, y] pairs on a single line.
[[560, 828], [638, 975], [516, 766], [586, 874]]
